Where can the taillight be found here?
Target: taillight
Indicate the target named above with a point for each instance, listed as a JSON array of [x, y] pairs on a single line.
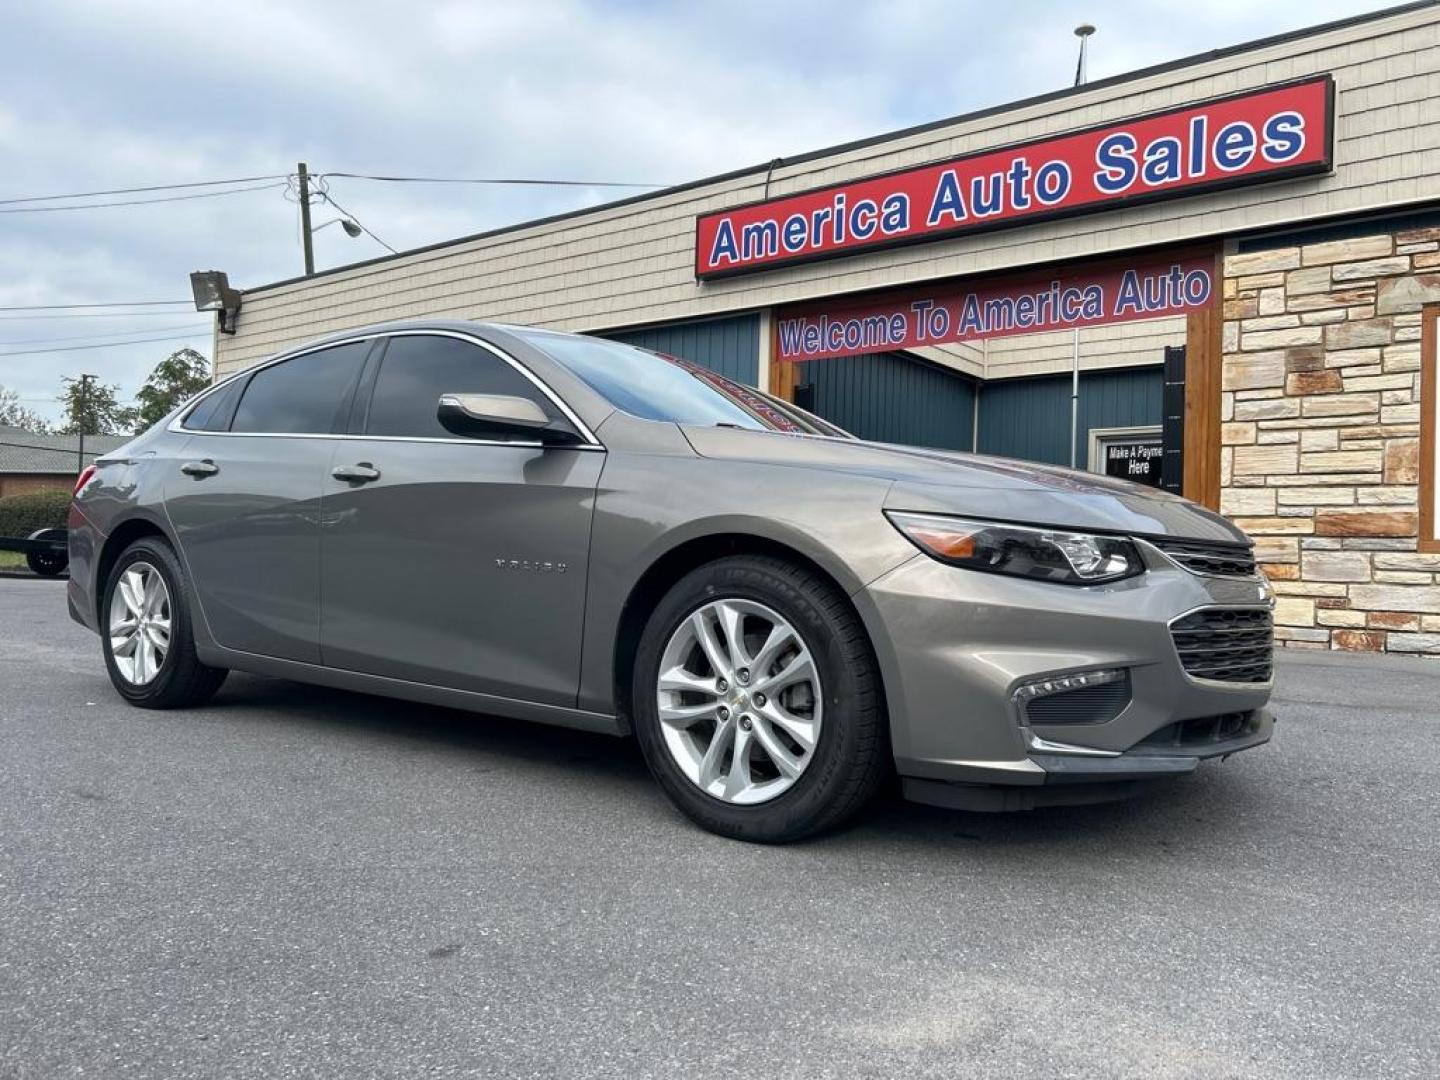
[[85, 476]]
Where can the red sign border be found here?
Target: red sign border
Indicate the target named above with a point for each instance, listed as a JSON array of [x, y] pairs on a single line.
[[1284, 172]]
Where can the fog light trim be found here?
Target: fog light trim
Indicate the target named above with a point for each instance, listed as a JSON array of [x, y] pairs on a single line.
[[1060, 684]]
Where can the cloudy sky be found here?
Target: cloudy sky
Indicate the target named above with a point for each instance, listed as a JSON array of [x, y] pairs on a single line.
[[96, 96]]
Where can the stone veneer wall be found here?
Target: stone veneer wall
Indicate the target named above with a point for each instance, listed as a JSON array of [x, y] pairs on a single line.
[[1320, 435]]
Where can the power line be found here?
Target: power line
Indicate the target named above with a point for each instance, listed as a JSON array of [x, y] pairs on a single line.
[[138, 202], [98, 315], [69, 451], [148, 187], [110, 345], [112, 334], [112, 303], [496, 180], [121, 401], [326, 196]]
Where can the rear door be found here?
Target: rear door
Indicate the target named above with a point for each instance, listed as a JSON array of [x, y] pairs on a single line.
[[246, 502], [462, 561]]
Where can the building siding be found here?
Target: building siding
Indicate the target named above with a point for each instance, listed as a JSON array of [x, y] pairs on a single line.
[[889, 397], [631, 264], [1030, 418], [1102, 348], [730, 346]]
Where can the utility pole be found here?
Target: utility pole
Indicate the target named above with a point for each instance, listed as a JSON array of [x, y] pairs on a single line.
[[305, 218], [81, 411]]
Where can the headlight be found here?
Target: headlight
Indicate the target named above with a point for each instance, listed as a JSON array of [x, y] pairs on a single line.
[[1044, 554]]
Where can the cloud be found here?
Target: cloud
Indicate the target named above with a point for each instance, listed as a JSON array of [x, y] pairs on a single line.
[[98, 95]]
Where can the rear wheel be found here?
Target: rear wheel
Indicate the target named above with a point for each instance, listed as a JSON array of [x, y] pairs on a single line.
[[146, 631], [757, 701]]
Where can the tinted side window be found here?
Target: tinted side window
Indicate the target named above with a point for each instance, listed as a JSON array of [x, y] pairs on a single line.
[[302, 395], [417, 369], [213, 412]]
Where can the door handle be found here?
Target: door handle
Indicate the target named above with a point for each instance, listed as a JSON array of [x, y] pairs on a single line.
[[200, 469], [362, 473]]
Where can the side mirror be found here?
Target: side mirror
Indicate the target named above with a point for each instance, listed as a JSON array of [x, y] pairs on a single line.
[[481, 415]]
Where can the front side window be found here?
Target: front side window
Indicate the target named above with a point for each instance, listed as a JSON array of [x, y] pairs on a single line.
[[303, 395], [418, 369]]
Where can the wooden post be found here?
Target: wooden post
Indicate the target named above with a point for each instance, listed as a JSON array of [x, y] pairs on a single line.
[[783, 373], [1429, 422], [1204, 358]]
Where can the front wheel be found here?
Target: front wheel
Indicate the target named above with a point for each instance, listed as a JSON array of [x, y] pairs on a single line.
[[145, 630], [757, 701]]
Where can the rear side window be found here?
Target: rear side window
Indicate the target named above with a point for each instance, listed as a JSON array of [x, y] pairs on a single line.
[[213, 411], [418, 369], [302, 396]]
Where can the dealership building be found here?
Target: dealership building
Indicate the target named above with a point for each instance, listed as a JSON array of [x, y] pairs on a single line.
[[1220, 276]]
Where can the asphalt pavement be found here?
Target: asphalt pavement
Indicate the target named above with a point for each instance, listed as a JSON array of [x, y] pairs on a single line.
[[303, 882]]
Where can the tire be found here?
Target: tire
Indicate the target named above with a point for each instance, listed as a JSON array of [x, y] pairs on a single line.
[[847, 760], [47, 563], [179, 680]]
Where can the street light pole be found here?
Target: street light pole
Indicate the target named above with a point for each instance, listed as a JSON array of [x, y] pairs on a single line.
[[1083, 32], [304, 183]]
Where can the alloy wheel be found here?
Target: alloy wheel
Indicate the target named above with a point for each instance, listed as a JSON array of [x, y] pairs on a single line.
[[140, 623], [739, 701]]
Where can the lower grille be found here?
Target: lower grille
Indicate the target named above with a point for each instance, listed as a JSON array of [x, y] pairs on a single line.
[[1204, 731], [1226, 644], [1087, 705], [1203, 557]]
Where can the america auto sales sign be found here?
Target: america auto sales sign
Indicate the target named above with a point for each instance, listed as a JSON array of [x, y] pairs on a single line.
[[1277, 132]]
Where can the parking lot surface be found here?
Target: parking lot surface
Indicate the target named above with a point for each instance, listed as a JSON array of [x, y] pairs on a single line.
[[303, 882]]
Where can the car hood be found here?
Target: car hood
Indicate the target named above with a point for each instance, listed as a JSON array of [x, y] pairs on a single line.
[[976, 485]]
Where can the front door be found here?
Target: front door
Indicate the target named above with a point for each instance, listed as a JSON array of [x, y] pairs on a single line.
[[245, 501], [460, 562]]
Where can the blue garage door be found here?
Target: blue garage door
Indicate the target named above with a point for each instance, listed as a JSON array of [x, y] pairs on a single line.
[[891, 397], [730, 346], [1030, 418]]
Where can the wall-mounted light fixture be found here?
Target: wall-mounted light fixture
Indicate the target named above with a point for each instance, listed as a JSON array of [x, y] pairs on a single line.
[[213, 293]]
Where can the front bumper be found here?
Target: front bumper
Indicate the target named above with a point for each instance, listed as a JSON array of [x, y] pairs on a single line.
[[954, 645], [1073, 780]]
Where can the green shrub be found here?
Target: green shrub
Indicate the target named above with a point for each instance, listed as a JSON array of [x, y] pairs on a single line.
[[21, 515]]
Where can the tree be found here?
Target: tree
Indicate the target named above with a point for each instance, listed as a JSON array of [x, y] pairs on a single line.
[[94, 409], [175, 380], [13, 414]]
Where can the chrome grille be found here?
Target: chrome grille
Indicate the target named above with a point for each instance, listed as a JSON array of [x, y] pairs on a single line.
[[1226, 644], [1203, 557]]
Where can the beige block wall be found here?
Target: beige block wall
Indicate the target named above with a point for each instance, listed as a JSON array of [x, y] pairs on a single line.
[[1320, 409], [632, 265]]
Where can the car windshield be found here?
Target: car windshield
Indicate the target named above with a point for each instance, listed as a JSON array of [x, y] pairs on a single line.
[[654, 386]]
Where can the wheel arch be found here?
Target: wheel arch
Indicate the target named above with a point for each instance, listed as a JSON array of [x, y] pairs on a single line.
[[687, 555], [121, 537]]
